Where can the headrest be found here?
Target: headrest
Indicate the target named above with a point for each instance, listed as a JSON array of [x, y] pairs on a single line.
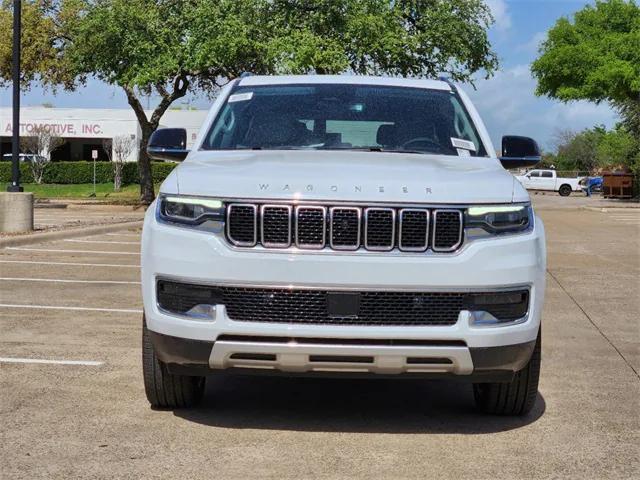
[[387, 135]]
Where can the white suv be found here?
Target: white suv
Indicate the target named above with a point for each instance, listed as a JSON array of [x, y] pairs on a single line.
[[343, 225]]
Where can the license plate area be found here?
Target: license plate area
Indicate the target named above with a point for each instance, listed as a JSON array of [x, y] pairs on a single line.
[[343, 304]]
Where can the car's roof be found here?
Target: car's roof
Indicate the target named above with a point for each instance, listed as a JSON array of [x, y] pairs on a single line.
[[256, 80]]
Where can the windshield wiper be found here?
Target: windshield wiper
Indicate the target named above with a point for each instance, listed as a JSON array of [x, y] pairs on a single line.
[[376, 149]]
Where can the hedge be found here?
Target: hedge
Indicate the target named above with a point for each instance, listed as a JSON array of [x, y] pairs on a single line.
[[82, 172]]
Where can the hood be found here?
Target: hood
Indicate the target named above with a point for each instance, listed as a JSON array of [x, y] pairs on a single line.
[[344, 176]]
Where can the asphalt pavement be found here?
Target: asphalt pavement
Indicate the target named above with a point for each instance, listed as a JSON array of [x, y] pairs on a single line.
[[72, 402]]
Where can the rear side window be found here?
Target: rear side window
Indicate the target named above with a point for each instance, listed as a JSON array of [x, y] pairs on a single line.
[[547, 174]]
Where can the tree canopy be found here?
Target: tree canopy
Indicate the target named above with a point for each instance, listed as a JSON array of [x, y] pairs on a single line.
[[172, 47], [596, 57], [592, 149]]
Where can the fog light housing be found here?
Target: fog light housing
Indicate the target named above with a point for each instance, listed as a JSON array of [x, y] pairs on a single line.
[[490, 308], [194, 301]]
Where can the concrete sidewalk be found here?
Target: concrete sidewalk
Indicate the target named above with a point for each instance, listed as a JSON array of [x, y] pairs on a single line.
[[58, 220]]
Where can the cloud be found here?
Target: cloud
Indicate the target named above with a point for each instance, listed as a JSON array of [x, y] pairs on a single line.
[[533, 45], [501, 14], [508, 105]]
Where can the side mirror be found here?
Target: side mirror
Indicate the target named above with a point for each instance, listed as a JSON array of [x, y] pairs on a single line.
[[168, 144], [519, 152]]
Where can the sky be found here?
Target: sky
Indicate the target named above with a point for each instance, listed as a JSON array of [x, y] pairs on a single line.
[[506, 101]]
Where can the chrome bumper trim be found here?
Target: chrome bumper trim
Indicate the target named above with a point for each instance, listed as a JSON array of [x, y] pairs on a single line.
[[295, 357]]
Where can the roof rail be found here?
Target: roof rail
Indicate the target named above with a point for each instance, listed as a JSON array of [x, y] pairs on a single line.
[[448, 81], [246, 74]]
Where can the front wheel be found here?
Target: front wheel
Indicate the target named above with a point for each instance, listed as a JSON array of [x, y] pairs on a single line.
[[516, 397], [565, 190], [163, 389]]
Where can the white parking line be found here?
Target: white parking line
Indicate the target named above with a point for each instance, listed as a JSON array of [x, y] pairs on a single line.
[[59, 280], [88, 363], [53, 250], [75, 240], [75, 264], [79, 309], [114, 234]]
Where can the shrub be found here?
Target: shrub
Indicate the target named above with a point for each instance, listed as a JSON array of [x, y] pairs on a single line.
[[82, 172]]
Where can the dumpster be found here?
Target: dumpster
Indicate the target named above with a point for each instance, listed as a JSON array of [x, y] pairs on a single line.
[[617, 185]]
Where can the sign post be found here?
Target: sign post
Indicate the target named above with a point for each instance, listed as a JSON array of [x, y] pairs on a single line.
[[15, 144], [94, 155]]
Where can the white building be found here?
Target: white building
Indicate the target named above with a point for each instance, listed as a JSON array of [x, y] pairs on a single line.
[[85, 129]]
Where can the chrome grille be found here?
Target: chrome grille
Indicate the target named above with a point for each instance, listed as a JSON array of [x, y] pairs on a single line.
[[242, 228], [413, 230], [275, 225], [345, 227], [311, 227], [379, 228], [447, 230]]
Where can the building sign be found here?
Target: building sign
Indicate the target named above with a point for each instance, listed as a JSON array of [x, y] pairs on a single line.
[[76, 129]]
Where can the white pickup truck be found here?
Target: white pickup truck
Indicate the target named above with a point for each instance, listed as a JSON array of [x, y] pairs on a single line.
[[548, 180], [343, 225]]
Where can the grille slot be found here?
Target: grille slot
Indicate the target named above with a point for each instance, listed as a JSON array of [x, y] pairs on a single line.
[[310, 306], [276, 225], [447, 230], [379, 230], [413, 228], [345, 228], [242, 224], [311, 227]]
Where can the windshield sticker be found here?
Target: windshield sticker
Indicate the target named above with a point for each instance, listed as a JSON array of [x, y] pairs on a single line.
[[465, 144], [463, 153], [240, 97]]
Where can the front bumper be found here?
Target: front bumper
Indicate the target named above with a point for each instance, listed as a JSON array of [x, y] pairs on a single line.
[[276, 355], [492, 264]]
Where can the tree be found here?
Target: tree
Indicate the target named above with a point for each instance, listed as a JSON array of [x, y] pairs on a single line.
[[40, 144], [173, 47], [596, 57], [593, 149], [118, 150]]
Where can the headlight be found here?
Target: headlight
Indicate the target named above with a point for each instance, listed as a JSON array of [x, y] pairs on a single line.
[[498, 219], [201, 213]]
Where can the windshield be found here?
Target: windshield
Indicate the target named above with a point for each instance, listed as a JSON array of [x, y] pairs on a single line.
[[345, 117]]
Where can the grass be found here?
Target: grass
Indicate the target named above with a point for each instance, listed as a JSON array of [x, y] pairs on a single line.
[[104, 191]]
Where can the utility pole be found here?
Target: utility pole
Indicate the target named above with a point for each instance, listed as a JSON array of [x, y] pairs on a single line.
[[15, 144]]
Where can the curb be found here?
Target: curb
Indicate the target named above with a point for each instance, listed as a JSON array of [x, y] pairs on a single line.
[[606, 208], [20, 240]]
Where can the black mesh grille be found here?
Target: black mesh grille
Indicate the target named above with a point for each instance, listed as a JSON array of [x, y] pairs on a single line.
[[345, 228], [241, 224], [310, 227], [413, 230], [447, 229], [282, 305], [310, 306], [276, 226], [380, 228]]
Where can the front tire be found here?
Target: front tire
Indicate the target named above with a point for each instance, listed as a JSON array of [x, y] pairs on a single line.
[[516, 397], [565, 190], [163, 389]]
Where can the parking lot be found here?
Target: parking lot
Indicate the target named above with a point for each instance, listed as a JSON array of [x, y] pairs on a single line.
[[72, 401]]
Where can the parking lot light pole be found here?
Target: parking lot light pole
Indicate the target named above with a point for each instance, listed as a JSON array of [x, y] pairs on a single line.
[[16, 206], [15, 144]]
